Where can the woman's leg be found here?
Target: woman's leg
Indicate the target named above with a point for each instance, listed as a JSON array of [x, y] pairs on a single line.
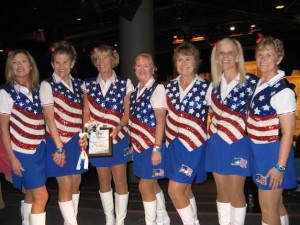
[[147, 191], [270, 202]]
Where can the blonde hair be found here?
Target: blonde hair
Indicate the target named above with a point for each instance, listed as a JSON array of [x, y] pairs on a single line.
[[270, 42], [105, 50], [187, 49], [34, 72], [216, 70]]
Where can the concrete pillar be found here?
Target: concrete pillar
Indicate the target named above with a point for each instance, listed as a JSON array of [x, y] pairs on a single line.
[[136, 36]]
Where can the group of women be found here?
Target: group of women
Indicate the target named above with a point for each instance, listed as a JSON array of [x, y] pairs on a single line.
[[250, 132]]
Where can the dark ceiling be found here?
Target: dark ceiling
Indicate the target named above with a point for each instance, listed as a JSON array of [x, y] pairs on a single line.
[[35, 24], [46, 21]]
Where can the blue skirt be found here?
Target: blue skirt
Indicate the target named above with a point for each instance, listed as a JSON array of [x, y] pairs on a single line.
[[265, 156], [35, 175], [184, 166], [142, 165], [121, 154], [228, 159], [72, 151]]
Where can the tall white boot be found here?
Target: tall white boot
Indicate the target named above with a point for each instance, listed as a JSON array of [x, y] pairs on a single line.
[[187, 215], [67, 211], [150, 212], [284, 220], [223, 213], [108, 207], [162, 217], [237, 215], [194, 206], [25, 211], [38, 219], [75, 199], [121, 202]]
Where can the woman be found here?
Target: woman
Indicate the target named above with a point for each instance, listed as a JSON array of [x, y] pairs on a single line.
[[106, 101], [186, 130], [23, 133], [270, 126], [62, 98], [146, 126], [228, 147]]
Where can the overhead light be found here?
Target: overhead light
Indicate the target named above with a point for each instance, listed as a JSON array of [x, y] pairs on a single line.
[[78, 19], [232, 28], [253, 26], [279, 4], [178, 41], [197, 38]]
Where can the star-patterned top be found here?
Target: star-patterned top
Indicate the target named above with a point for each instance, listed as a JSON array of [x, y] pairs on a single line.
[[187, 119], [239, 96], [27, 125], [24, 102], [76, 96], [141, 109], [263, 121], [114, 98], [194, 102]]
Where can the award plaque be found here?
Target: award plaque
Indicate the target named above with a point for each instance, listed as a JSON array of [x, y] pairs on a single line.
[[100, 143]]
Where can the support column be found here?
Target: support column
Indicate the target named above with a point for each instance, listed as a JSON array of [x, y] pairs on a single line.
[[136, 36]]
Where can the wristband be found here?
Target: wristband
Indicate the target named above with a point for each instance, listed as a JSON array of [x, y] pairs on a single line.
[[280, 169], [120, 125], [156, 148], [60, 150]]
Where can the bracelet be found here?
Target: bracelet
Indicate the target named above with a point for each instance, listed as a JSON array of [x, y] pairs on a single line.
[[60, 150], [156, 148], [280, 169], [157, 145], [121, 125]]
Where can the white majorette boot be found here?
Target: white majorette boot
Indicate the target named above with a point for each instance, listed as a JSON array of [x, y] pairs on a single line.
[[150, 212], [162, 217], [67, 211], [75, 199], [37, 219], [25, 211], [187, 215], [284, 220], [194, 206], [237, 215], [223, 213], [121, 202], [108, 207]]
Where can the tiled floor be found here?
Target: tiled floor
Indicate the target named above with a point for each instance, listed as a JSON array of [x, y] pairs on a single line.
[[91, 213]]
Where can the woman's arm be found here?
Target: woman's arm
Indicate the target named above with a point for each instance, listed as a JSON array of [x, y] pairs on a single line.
[[160, 115]]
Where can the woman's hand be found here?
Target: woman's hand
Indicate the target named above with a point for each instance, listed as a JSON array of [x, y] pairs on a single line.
[[115, 132], [59, 159], [17, 167], [275, 178], [83, 142], [156, 158]]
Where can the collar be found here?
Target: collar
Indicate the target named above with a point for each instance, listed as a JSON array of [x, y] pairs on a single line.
[[280, 74], [21, 89], [57, 79], [113, 78], [197, 78], [149, 83]]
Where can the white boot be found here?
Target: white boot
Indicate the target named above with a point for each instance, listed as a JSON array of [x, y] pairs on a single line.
[[25, 211], [194, 206], [67, 211], [38, 219], [108, 207], [150, 212], [162, 217], [237, 215], [75, 199], [121, 202], [187, 215], [284, 220], [223, 213]]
